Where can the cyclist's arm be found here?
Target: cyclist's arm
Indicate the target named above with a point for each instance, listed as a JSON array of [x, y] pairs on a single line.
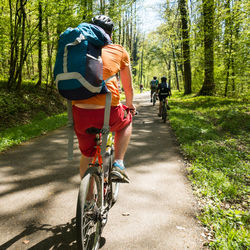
[[126, 78]]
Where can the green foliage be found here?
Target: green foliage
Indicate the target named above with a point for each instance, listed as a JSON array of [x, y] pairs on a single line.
[[214, 135], [230, 227], [20, 55], [41, 124], [29, 113], [18, 108]]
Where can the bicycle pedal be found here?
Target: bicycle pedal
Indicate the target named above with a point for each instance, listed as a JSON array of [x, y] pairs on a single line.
[[119, 180]]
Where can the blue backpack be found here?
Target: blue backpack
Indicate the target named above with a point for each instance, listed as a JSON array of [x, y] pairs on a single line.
[[78, 69]]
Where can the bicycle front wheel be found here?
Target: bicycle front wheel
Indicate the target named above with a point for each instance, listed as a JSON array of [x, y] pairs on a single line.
[[88, 213]]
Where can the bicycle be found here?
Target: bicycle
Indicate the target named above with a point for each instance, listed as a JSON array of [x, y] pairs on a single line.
[[91, 217]]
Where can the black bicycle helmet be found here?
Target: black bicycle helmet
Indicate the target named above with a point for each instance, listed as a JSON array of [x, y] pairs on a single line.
[[104, 22], [164, 79]]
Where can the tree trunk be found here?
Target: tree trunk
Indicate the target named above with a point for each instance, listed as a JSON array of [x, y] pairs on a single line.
[[186, 47], [175, 67], [142, 57], [22, 52], [208, 87], [40, 59], [50, 77], [169, 74], [14, 38]]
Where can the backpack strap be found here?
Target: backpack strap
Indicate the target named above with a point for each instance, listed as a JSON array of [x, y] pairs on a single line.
[[70, 128], [105, 128]]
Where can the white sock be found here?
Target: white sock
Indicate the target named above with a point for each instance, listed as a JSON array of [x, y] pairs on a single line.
[[120, 162]]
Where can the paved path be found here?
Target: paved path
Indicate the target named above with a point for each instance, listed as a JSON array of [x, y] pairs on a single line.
[[38, 191]]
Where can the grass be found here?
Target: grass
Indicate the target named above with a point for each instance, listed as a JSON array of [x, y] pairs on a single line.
[[41, 124], [213, 133], [29, 113]]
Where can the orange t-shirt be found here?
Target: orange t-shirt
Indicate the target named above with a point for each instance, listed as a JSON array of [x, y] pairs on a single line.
[[114, 58]]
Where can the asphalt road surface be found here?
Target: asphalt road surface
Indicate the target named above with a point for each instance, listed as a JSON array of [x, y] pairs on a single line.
[[157, 210]]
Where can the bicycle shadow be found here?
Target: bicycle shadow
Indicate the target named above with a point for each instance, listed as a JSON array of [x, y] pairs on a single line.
[[63, 237]]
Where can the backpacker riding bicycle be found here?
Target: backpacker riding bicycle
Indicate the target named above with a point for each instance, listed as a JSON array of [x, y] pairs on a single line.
[[153, 86], [85, 57], [163, 91]]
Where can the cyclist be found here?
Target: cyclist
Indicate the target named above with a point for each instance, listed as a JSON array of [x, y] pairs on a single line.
[[90, 112], [163, 91], [141, 88], [153, 86]]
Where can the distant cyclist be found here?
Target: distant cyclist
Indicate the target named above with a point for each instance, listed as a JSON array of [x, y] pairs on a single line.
[[153, 86], [141, 88], [163, 91]]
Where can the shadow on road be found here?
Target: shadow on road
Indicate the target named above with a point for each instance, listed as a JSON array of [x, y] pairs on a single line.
[[148, 142], [62, 237]]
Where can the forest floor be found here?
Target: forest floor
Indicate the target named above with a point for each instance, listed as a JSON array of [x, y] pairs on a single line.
[[155, 211], [29, 104]]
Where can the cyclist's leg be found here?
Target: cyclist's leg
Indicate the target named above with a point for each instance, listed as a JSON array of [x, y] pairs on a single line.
[[120, 122], [167, 104], [84, 164], [122, 138], [83, 119]]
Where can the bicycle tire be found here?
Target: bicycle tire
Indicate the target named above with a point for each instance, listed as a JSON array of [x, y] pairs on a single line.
[[113, 188], [88, 223], [164, 113], [114, 185], [154, 99]]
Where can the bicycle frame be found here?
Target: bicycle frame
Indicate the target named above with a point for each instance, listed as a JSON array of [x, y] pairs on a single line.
[[99, 162]]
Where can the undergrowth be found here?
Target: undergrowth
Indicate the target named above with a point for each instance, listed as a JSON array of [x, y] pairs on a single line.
[[213, 133], [29, 113]]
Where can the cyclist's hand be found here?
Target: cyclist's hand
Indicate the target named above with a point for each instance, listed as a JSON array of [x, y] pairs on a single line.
[[132, 109]]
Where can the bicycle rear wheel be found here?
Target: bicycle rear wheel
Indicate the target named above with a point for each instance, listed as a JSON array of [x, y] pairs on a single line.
[[88, 214], [154, 99], [164, 113], [114, 186]]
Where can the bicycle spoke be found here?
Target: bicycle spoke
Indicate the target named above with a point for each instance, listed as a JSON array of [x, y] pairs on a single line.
[[88, 218]]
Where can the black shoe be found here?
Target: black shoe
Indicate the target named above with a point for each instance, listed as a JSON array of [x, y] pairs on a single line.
[[118, 174]]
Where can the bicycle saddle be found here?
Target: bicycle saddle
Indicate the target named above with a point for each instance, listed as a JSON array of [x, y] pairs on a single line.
[[93, 130]]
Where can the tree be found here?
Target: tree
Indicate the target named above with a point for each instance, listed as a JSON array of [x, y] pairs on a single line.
[[208, 87], [40, 58], [185, 47]]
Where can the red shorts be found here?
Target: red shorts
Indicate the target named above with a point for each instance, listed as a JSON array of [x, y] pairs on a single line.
[[120, 117]]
